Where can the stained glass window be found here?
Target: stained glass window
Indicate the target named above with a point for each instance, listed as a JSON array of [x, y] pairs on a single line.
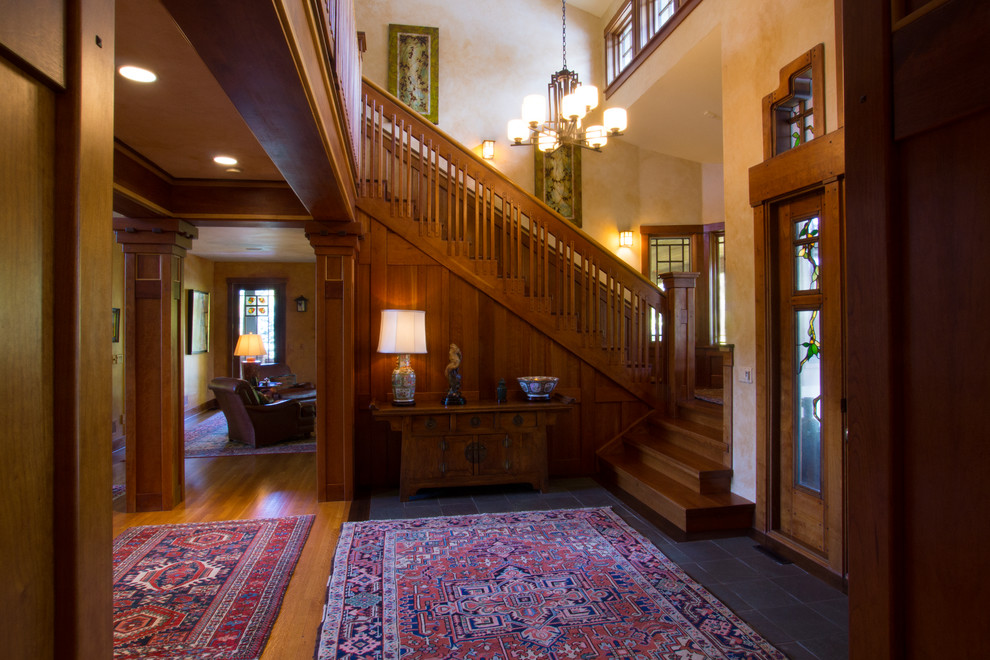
[[257, 314], [808, 398]]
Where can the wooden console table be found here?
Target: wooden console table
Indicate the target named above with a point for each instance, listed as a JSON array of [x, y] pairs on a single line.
[[474, 444]]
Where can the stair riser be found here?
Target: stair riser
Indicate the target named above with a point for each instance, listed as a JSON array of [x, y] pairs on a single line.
[[700, 417], [700, 481], [722, 518], [710, 449]]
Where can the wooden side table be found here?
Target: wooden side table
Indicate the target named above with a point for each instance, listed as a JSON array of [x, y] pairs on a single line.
[[474, 444]]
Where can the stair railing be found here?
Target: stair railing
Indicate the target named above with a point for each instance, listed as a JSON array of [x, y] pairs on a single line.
[[524, 248]]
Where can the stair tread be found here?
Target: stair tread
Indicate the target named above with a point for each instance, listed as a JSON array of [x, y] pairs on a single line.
[[696, 429], [685, 457], [676, 492], [706, 407]]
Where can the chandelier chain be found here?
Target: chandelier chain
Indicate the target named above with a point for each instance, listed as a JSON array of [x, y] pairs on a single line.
[[563, 28]]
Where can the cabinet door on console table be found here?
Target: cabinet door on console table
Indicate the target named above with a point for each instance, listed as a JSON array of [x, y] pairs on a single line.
[[476, 444]]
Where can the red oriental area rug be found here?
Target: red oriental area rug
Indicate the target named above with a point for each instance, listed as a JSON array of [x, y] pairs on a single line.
[[209, 438], [542, 584], [202, 590]]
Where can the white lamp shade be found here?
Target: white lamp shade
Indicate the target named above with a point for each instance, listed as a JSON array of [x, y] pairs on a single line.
[[534, 109], [403, 331], [250, 345], [548, 141], [595, 135], [518, 130], [589, 97], [615, 119], [572, 106]]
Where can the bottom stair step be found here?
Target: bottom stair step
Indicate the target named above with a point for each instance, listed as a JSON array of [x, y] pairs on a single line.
[[687, 509]]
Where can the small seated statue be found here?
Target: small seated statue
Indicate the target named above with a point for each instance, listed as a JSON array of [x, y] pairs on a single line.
[[453, 373]]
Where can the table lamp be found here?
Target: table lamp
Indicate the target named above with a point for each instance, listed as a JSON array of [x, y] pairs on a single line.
[[250, 346], [403, 332]]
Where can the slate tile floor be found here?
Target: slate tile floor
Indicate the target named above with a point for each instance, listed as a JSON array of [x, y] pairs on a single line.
[[801, 615]]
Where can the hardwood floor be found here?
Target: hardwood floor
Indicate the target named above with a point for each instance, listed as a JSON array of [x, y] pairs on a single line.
[[264, 486]]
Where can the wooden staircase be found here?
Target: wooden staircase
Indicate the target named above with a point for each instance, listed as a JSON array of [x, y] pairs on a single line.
[[458, 210], [678, 467]]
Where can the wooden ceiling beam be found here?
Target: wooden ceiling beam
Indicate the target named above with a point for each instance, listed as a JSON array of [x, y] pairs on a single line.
[[143, 191], [256, 66]]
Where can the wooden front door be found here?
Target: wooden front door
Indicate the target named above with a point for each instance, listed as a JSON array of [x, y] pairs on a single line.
[[807, 438]]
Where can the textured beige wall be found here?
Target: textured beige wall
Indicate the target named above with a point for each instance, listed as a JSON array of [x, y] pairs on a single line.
[[758, 38], [485, 72], [712, 193], [492, 54], [300, 327], [197, 370]]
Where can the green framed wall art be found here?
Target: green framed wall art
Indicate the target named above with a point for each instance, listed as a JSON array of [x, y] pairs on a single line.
[[413, 67], [558, 181]]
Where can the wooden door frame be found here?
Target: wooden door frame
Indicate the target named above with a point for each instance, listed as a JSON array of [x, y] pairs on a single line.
[[818, 164], [234, 284]]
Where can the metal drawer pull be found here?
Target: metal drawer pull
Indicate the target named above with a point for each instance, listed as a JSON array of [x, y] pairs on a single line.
[[508, 465], [430, 423], [443, 445], [506, 442], [443, 468], [517, 420], [475, 421]]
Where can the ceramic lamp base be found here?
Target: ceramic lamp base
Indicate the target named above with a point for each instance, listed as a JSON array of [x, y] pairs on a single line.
[[403, 382]]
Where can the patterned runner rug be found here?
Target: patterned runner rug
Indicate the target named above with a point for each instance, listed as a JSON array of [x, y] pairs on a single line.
[[202, 590], [542, 584], [209, 438]]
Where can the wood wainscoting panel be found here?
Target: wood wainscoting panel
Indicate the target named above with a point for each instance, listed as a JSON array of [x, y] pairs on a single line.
[[495, 343]]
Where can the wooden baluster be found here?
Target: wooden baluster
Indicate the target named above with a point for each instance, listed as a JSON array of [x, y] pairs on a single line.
[[478, 203], [363, 154], [519, 216], [464, 215], [380, 154], [409, 172], [491, 222], [435, 173], [560, 303], [571, 265], [395, 166], [534, 252]]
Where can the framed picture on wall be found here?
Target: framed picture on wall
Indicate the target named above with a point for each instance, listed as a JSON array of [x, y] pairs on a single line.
[[413, 67], [197, 322], [558, 181]]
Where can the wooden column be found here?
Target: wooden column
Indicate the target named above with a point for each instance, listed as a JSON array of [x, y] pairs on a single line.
[[336, 246], [678, 337], [153, 254]]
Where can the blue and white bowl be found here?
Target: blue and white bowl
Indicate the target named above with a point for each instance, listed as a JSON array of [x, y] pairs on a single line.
[[537, 387]]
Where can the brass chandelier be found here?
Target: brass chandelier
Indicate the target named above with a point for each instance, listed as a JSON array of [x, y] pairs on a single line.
[[559, 123]]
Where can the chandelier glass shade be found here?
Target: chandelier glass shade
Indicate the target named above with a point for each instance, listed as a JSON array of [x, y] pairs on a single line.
[[557, 119]]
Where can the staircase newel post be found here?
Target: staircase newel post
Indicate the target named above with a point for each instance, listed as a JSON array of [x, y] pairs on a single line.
[[678, 338]]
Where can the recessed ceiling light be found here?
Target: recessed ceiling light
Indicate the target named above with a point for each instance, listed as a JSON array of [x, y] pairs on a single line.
[[224, 160], [137, 74]]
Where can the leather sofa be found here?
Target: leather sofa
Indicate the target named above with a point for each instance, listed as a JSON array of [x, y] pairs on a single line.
[[251, 419]]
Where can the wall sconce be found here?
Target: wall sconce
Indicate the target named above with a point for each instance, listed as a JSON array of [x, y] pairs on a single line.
[[301, 304], [488, 149], [625, 239], [403, 332]]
